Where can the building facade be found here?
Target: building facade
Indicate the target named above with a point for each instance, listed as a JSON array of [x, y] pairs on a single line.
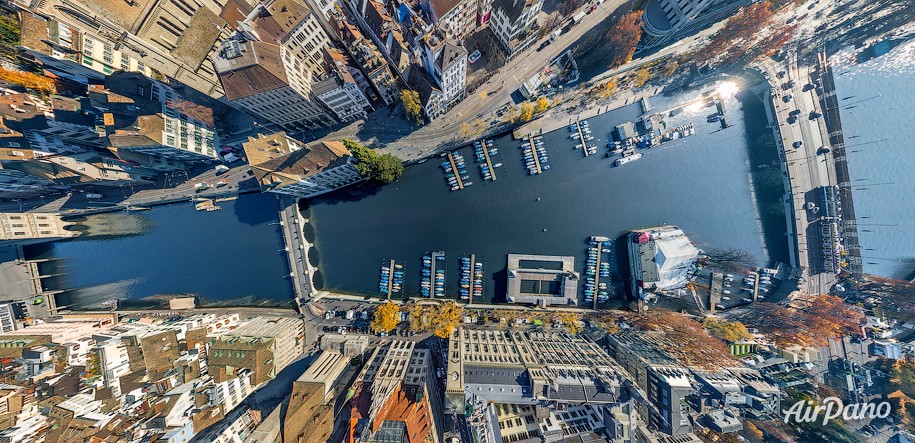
[[446, 62], [513, 22]]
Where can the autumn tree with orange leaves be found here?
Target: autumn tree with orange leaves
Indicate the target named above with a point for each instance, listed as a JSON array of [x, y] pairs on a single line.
[[685, 339], [28, 80], [623, 38], [827, 317]]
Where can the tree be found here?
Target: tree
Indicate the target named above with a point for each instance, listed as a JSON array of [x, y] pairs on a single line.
[[201, 113], [465, 130], [752, 432], [641, 77], [671, 68], [567, 7], [381, 168], [622, 39], [543, 104], [608, 89], [385, 319], [826, 317], [447, 316], [28, 80], [729, 331], [527, 111], [570, 321], [738, 34], [412, 105], [684, 339]]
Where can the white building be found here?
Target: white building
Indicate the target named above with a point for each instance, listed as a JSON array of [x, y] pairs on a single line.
[[446, 62], [513, 22], [286, 166], [270, 65], [230, 393], [8, 321], [113, 363], [27, 226], [660, 258]]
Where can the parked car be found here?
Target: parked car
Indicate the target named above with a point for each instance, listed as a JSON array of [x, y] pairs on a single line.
[[787, 98], [797, 144], [474, 56]]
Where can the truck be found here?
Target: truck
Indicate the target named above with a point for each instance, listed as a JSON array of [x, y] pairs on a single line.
[[578, 17]]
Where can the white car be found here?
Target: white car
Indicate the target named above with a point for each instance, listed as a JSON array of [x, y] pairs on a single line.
[[474, 56]]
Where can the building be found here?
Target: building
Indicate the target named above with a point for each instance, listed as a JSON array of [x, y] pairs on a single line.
[[173, 38], [270, 65], [284, 165], [431, 96], [370, 60], [446, 62], [8, 321], [665, 21], [33, 226], [513, 22], [263, 345], [395, 399], [659, 259], [237, 426], [664, 382], [310, 411], [148, 123], [338, 89], [542, 280], [456, 17]]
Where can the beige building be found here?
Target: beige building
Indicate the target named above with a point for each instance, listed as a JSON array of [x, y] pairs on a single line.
[[263, 345], [172, 37], [30, 226]]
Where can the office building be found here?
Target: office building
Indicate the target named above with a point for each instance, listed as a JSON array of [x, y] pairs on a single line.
[[263, 345], [542, 280]]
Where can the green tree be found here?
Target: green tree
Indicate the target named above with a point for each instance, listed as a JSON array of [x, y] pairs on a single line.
[[382, 168], [412, 105]]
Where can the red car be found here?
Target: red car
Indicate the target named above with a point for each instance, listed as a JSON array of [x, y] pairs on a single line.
[[592, 8]]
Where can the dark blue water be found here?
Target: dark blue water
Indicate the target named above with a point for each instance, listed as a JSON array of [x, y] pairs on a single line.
[[704, 184], [230, 255]]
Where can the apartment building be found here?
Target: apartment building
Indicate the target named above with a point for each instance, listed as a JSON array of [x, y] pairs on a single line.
[[513, 23], [446, 62], [369, 59], [456, 17], [284, 165], [270, 64], [339, 90], [172, 37]]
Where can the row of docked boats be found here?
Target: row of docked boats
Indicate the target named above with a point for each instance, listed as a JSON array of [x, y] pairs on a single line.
[[432, 282], [456, 178], [391, 279], [471, 278], [535, 158], [597, 267], [480, 151]]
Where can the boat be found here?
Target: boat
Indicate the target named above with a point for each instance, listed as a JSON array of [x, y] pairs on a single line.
[[624, 160]]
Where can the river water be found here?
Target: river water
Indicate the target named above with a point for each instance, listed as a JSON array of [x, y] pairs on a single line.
[[230, 256], [714, 185], [710, 184], [877, 99]]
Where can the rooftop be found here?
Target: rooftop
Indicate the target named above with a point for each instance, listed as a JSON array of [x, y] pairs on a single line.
[[249, 68], [200, 36]]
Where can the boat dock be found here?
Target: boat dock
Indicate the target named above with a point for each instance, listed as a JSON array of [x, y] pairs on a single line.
[[594, 291], [455, 170], [432, 283], [482, 150], [207, 205], [391, 279], [471, 283], [534, 155], [584, 136]]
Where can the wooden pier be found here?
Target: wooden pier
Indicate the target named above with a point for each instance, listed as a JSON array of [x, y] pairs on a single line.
[[455, 171], [600, 248], [581, 138], [492, 171], [390, 278], [535, 154], [434, 256]]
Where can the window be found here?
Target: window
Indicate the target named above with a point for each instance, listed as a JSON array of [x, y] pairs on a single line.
[[125, 62]]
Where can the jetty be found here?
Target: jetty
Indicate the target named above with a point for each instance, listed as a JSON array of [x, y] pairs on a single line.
[[492, 170], [596, 268], [454, 168]]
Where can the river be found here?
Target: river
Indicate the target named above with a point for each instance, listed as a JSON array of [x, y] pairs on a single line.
[[710, 184], [876, 98], [231, 256]]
